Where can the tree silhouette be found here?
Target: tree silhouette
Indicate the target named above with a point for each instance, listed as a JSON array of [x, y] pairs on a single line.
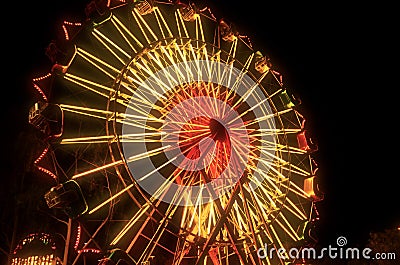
[[386, 244]]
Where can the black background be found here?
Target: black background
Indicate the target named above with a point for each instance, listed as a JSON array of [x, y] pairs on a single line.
[[340, 59]]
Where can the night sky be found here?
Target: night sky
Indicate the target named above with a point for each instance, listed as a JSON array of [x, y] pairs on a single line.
[[341, 61]]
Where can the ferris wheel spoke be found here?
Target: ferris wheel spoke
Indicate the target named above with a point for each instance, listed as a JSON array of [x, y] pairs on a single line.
[[137, 124], [274, 132], [171, 79], [162, 24], [290, 226], [142, 103], [280, 245], [89, 140], [182, 56], [127, 34], [232, 51], [273, 180], [147, 154], [286, 165], [166, 54], [150, 217], [123, 118], [239, 82], [158, 233], [98, 63], [129, 225], [252, 89], [139, 231], [273, 146], [120, 162], [157, 81], [251, 221], [106, 42], [98, 169], [142, 227], [269, 117], [135, 79], [269, 230], [141, 22], [225, 77], [181, 24], [199, 28], [266, 196], [89, 85], [86, 110]]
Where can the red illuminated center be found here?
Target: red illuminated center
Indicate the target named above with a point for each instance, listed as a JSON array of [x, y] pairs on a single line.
[[194, 132], [205, 136]]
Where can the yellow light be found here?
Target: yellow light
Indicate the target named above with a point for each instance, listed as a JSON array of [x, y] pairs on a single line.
[[42, 260]]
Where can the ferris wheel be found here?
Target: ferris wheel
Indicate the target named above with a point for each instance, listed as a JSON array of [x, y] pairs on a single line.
[[176, 142]]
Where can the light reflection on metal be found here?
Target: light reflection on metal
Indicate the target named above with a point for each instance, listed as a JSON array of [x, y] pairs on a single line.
[[67, 196]]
